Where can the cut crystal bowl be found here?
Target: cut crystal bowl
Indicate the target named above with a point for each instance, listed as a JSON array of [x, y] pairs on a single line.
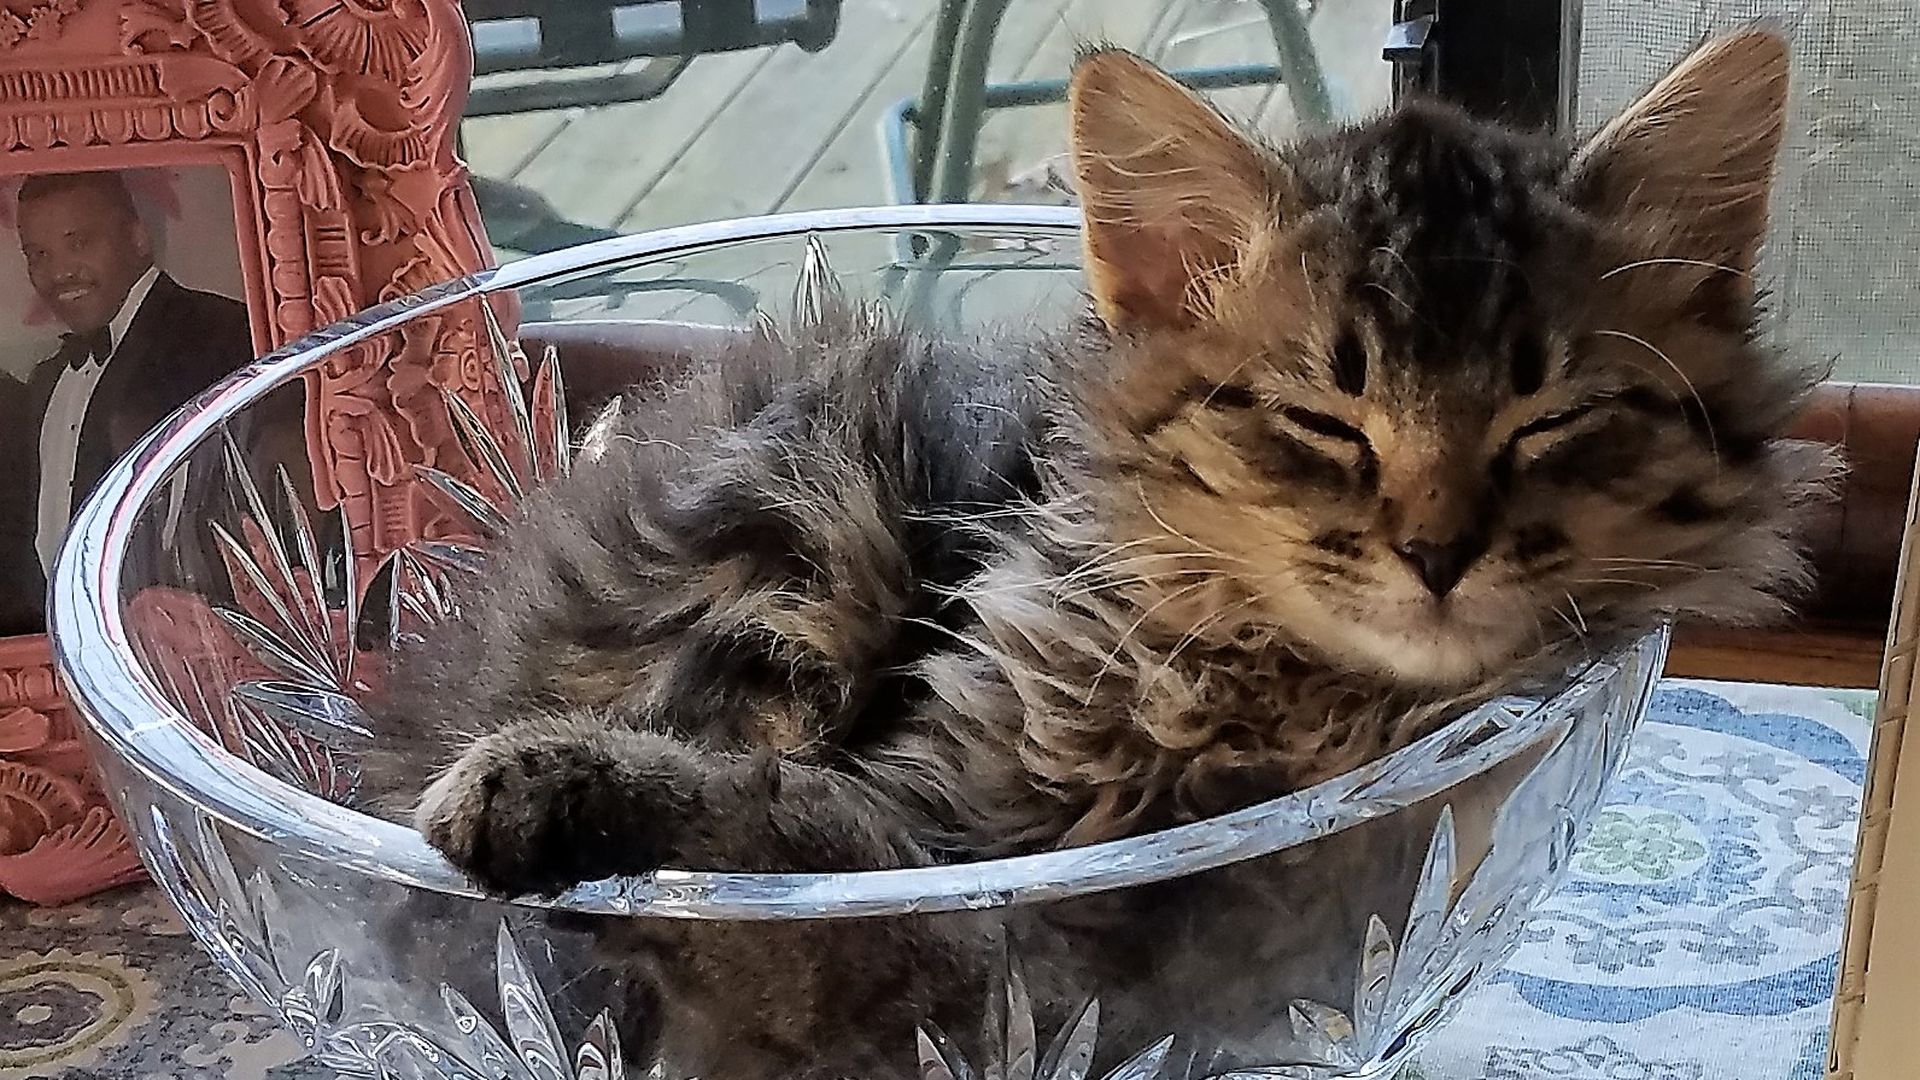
[[220, 632]]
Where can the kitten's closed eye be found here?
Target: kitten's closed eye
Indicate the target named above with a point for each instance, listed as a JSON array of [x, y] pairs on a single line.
[[1343, 449], [1327, 427], [1536, 435], [1550, 436]]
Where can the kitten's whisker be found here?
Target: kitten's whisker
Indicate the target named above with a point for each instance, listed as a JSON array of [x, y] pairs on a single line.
[[1147, 505], [1097, 565], [1229, 377], [1396, 298], [1671, 565], [1138, 579], [1614, 581], [1575, 605], [1572, 627], [1674, 261], [1097, 559], [1641, 559], [963, 517], [1665, 382], [1057, 596], [1713, 440], [1056, 587], [1193, 635], [1540, 626], [973, 643], [1126, 638], [987, 406], [1389, 252]]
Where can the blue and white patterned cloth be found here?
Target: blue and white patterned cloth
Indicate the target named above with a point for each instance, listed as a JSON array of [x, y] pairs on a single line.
[[1696, 939]]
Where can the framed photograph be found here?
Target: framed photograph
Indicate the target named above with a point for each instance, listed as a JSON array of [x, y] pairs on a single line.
[[122, 296], [186, 185]]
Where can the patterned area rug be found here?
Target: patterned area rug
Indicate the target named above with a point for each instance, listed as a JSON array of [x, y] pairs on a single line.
[[1696, 940], [1698, 936]]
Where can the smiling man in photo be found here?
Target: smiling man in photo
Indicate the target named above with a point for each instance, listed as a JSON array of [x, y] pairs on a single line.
[[138, 344]]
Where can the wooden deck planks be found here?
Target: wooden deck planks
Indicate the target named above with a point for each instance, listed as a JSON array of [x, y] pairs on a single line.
[[849, 167], [500, 146], [610, 156], [756, 149], [780, 129]]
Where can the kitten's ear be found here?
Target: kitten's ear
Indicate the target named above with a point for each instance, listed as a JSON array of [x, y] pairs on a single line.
[[1170, 191], [1700, 148]]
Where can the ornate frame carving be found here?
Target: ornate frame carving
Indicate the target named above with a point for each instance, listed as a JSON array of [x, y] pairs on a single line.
[[336, 120]]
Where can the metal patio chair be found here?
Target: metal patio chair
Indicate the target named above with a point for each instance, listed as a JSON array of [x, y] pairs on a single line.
[[929, 141]]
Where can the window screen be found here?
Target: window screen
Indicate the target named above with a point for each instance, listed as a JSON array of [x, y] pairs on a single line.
[[1844, 260]]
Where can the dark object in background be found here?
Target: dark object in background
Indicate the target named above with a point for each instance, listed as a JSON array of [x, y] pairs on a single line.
[[550, 35]]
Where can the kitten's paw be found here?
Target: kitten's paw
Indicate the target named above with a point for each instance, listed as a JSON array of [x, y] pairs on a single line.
[[536, 814]]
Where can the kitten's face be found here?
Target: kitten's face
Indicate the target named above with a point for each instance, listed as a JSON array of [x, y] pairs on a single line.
[[1431, 502], [1443, 396]]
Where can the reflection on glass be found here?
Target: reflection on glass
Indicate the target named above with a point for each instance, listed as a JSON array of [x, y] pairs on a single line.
[[1318, 935]]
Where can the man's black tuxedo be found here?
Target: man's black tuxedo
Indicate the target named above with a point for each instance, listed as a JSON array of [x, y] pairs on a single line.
[[180, 342]]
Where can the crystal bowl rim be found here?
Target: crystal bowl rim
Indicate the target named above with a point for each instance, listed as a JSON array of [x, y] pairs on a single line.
[[127, 716]]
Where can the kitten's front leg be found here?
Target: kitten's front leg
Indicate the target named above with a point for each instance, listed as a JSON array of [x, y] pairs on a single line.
[[543, 805]]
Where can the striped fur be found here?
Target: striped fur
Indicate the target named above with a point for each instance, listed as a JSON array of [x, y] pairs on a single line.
[[1360, 431]]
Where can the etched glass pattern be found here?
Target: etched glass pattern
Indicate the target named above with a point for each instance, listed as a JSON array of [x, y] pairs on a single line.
[[222, 632]]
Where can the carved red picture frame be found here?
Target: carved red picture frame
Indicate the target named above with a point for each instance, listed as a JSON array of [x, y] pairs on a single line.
[[336, 121]]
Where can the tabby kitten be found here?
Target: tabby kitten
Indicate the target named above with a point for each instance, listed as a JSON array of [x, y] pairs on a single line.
[[1359, 431]]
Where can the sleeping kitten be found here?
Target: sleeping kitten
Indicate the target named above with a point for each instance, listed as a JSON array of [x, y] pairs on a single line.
[[1360, 430]]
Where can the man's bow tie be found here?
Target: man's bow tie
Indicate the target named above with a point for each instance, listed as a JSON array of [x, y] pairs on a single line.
[[80, 348]]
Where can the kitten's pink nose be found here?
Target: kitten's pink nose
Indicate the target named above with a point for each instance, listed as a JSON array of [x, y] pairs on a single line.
[[1441, 566]]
